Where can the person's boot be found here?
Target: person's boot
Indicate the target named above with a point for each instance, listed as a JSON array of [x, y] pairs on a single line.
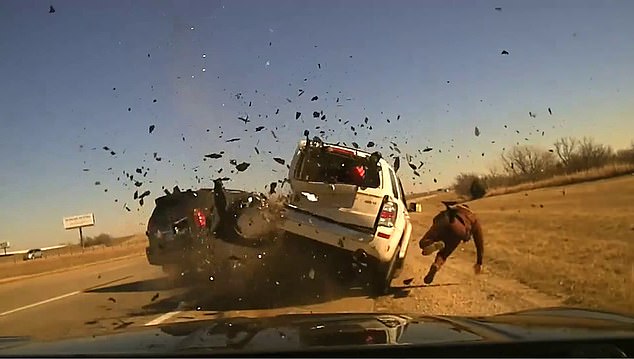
[[435, 246], [430, 275], [435, 267]]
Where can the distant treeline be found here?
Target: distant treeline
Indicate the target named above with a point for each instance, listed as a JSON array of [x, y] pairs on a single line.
[[570, 160]]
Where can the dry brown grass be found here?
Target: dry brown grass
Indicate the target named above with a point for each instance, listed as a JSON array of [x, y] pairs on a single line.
[[578, 245], [608, 171], [72, 256]]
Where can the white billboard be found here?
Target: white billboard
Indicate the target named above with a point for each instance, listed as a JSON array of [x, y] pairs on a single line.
[[82, 220]]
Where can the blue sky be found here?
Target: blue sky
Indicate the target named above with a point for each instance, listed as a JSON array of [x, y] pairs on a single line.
[[68, 79]]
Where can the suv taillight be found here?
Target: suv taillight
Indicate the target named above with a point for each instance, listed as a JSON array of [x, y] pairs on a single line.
[[387, 217], [199, 217]]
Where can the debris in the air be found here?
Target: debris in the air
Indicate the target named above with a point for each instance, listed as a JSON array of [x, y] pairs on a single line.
[[97, 183], [366, 120], [138, 184], [397, 164], [477, 131], [412, 166], [398, 117], [408, 281], [370, 144], [257, 151], [112, 299], [288, 100], [532, 114], [86, 170], [435, 180], [244, 119], [498, 8], [272, 188], [279, 160], [242, 166], [315, 98], [355, 145], [129, 109], [51, 10], [151, 129], [233, 140], [277, 111], [233, 162], [504, 52], [213, 155], [315, 114], [306, 133], [550, 111], [427, 149], [259, 128], [297, 114], [154, 297], [274, 135], [319, 66], [301, 92]]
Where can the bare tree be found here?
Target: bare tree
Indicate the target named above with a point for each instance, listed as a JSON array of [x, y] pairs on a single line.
[[528, 162], [565, 149], [591, 154]]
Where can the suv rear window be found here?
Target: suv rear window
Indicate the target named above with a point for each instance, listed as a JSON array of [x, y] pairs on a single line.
[[334, 166]]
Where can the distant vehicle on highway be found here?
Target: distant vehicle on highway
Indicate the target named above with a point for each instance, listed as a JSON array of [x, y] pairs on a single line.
[[353, 202], [33, 254]]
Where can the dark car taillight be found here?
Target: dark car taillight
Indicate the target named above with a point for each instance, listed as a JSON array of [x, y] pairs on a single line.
[[199, 218]]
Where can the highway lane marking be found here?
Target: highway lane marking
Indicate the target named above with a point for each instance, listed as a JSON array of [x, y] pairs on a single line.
[[160, 319], [40, 303]]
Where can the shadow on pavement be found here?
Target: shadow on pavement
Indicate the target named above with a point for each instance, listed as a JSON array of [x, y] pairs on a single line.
[[137, 286]]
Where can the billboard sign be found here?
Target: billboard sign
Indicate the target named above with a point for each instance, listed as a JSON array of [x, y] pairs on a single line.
[[82, 220]]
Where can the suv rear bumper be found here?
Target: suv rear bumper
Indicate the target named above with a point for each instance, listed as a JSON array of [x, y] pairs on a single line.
[[337, 235]]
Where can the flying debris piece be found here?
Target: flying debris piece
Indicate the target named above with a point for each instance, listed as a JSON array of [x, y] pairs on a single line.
[[301, 92], [427, 149], [213, 155], [355, 145], [244, 119], [277, 111], [51, 10], [86, 170], [397, 164], [532, 114], [477, 131], [297, 115], [154, 297], [435, 180], [97, 183], [288, 100], [136, 195], [306, 133], [279, 160], [106, 148], [233, 140], [316, 114], [151, 129], [138, 184], [498, 8], [127, 208], [141, 202], [274, 135], [319, 66], [233, 162], [259, 128], [323, 117], [139, 171], [129, 109], [113, 153], [242, 166], [144, 194], [504, 52], [315, 98], [398, 117], [272, 187], [408, 281], [257, 151], [412, 166], [370, 144], [550, 111]]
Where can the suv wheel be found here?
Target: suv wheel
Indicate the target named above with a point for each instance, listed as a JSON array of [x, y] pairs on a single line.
[[385, 273]]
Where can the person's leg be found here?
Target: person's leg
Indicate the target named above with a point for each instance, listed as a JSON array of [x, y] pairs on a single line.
[[450, 245], [431, 241]]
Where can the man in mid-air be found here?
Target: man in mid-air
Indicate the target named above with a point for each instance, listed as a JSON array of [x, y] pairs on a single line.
[[457, 223]]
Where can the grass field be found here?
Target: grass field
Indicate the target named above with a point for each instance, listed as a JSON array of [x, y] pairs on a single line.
[[575, 242], [71, 256]]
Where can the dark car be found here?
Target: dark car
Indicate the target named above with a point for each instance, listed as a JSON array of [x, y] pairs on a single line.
[[204, 231], [550, 332]]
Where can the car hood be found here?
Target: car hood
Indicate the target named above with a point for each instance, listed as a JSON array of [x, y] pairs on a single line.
[[295, 332]]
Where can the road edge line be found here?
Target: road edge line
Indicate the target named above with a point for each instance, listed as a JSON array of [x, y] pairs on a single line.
[[160, 319], [19, 309]]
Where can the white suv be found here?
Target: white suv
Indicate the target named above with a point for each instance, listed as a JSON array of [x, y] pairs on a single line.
[[351, 200]]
